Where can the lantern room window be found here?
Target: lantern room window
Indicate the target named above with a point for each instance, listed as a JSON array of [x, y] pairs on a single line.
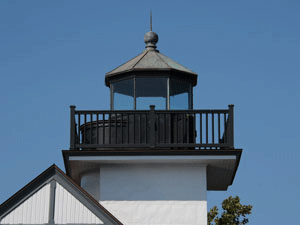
[[138, 93], [151, 91], [180, 94], [122, 95]]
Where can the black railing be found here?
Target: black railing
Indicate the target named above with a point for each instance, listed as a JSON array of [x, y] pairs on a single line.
[[168, 129]]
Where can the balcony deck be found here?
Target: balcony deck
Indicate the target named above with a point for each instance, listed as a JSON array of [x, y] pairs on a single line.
[[152, 129]]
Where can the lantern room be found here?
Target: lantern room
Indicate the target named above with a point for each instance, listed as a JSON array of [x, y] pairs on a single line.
[[151, 78], [151, 106]]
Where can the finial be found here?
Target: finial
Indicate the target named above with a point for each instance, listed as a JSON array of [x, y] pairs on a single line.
[[150, 20], [151, 38]]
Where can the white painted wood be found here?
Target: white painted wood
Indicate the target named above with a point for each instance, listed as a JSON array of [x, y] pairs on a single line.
[[34, 210], [68, 209]]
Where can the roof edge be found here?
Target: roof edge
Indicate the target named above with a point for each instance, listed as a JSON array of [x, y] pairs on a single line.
[[136, 152], [108, 77]]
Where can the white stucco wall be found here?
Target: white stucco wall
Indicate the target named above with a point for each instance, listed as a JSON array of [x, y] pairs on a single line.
[[159, 212], [152, 193]]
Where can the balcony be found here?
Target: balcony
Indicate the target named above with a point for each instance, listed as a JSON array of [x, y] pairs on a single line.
[[152, 129]]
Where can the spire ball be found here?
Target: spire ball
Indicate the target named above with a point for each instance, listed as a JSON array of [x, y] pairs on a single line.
[[151, 38]]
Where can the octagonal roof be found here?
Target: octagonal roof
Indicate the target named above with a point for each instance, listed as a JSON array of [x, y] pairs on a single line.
[[150, 60]]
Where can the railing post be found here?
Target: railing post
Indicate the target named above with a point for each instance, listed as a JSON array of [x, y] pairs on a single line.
[[152, 126], [230, 127], [72, 127]]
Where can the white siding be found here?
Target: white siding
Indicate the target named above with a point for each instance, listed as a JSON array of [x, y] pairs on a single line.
[[34, 210], [68, 209]]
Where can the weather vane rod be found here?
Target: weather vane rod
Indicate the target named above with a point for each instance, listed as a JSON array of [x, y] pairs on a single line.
[[150, 20]]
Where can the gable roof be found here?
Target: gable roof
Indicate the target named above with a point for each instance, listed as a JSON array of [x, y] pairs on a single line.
[[53, 197]]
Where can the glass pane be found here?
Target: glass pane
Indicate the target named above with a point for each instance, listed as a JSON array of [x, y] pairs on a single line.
[[123, 95], [179, 94], [151, 91]]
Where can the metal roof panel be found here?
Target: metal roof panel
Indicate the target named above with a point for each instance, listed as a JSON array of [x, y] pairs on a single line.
[[174, 65], [127, 65], [150, 61]]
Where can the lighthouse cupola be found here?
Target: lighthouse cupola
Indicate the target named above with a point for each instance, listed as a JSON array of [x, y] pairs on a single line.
[[151, 78]]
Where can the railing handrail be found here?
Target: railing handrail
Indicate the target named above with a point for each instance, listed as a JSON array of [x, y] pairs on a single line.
[[157, 111]]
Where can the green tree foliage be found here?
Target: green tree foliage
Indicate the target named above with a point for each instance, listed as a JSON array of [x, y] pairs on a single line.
[[234, 213]]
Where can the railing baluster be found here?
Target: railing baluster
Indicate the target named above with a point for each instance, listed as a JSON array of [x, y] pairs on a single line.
[[201, 128], [139, 128], [187, 118], [103, 128], [116, 142], [183, 129], [97, 128], [121, 128], [109, 128], [165, 125], [169, 128], [176, 129], [219, 128], [194, 128], [225, 130], [91, 128], [213, 128], [206, 123], [146, 128], [133, 128], [157, 118], [85, 129], [128, 128], [152, 125]]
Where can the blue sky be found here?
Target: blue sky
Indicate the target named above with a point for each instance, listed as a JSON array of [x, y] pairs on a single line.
[[55, 53]]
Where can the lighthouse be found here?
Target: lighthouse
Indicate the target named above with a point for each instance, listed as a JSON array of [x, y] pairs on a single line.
[[152, 157]]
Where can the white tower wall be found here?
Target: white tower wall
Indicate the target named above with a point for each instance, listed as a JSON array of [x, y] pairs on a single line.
[[91, 183], [151, 193]]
